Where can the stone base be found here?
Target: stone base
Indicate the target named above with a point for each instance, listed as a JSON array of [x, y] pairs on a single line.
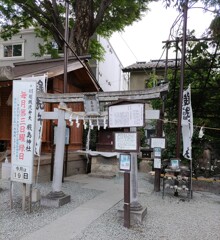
[[135, 216], [103, 166], [55, 200], [102, 175], [35, 195]]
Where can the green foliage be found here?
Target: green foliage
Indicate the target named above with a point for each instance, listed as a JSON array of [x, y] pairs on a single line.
[[201, 71], [121, 13], [152, 81], [170, 130], [143, 137], [96, 50], [87, 17], [47, 48], [156, 103], [215, 27]]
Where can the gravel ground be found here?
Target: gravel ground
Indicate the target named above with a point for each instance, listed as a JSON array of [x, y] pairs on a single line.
[[15, 223], [167, 219]]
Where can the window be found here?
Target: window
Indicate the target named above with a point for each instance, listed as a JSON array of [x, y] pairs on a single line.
[[13, 50]]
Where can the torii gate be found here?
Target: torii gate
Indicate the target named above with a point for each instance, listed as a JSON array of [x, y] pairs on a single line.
[[63, 114]]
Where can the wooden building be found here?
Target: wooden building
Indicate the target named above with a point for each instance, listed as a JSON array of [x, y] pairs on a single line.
[[79, 79]]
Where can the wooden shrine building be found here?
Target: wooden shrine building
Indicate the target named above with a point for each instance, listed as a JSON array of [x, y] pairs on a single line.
[[79, 79]]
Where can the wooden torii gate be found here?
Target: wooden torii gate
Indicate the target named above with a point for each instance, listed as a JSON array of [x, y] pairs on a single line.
[[64, 114]]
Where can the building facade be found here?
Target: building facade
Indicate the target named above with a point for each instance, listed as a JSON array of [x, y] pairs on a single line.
[[24, 46]]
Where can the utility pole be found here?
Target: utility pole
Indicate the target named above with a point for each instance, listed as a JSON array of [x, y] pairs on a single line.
[[66, 47], [183, 59]]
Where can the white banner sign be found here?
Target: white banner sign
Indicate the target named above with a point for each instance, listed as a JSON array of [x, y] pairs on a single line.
[[187, 124], [23, 125], [40, 81]]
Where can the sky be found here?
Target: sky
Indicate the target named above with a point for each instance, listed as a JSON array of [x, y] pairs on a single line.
[[143, 40]]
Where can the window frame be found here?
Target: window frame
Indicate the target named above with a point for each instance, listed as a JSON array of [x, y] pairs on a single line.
[[11, 43]]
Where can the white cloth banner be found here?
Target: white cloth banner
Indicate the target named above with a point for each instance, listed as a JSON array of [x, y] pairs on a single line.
[[40, 80], [23, 120], [187, 123]]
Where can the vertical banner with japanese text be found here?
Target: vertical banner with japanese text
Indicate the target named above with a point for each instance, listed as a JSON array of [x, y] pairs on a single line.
[[40, 81], [187, 123], [23, 126]]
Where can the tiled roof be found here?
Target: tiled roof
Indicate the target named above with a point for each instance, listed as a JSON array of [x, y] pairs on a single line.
[[150, 65]]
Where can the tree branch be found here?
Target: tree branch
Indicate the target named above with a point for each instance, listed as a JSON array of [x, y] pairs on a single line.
[[99, 17]]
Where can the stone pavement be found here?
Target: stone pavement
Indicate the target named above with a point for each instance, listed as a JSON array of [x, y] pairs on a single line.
[[85, 214]]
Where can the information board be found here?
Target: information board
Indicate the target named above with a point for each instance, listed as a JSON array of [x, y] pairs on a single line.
[[125, 162], [157, 152], [157, 163], [23, 128], [152, 114], [157, 143], [126, 141], [126, 115]]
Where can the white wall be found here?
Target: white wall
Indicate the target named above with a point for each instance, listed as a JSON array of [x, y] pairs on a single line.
[[30, 43], [109, 72]]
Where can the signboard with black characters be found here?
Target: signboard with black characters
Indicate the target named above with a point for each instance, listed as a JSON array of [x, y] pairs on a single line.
[[23, 128]]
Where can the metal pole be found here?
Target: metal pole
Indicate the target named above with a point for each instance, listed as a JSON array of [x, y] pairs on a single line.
[[185, 8], [66, 47]]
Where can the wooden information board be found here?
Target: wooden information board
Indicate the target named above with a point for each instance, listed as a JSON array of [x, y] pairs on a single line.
[[126, 115], [126, 141]]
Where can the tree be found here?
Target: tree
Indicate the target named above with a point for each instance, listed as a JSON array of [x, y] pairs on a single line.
[[86, 18], [202, 72]]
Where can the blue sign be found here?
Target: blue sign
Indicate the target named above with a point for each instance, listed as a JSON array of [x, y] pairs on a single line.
[[125, 162]]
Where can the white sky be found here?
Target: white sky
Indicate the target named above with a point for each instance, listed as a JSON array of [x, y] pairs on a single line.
[[143, 40]]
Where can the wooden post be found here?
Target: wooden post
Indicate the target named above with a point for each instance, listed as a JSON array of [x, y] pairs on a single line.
[[157, 180], [30, 198], [159, 134], [11, 194], [23, 195], [127, 199], [157, 168]]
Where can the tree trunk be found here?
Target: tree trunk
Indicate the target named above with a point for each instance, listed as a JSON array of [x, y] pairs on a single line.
[[82, 30]]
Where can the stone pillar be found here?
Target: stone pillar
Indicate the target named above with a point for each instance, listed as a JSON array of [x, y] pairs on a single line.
[[56, 197], [134, 205], [59, 152]]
